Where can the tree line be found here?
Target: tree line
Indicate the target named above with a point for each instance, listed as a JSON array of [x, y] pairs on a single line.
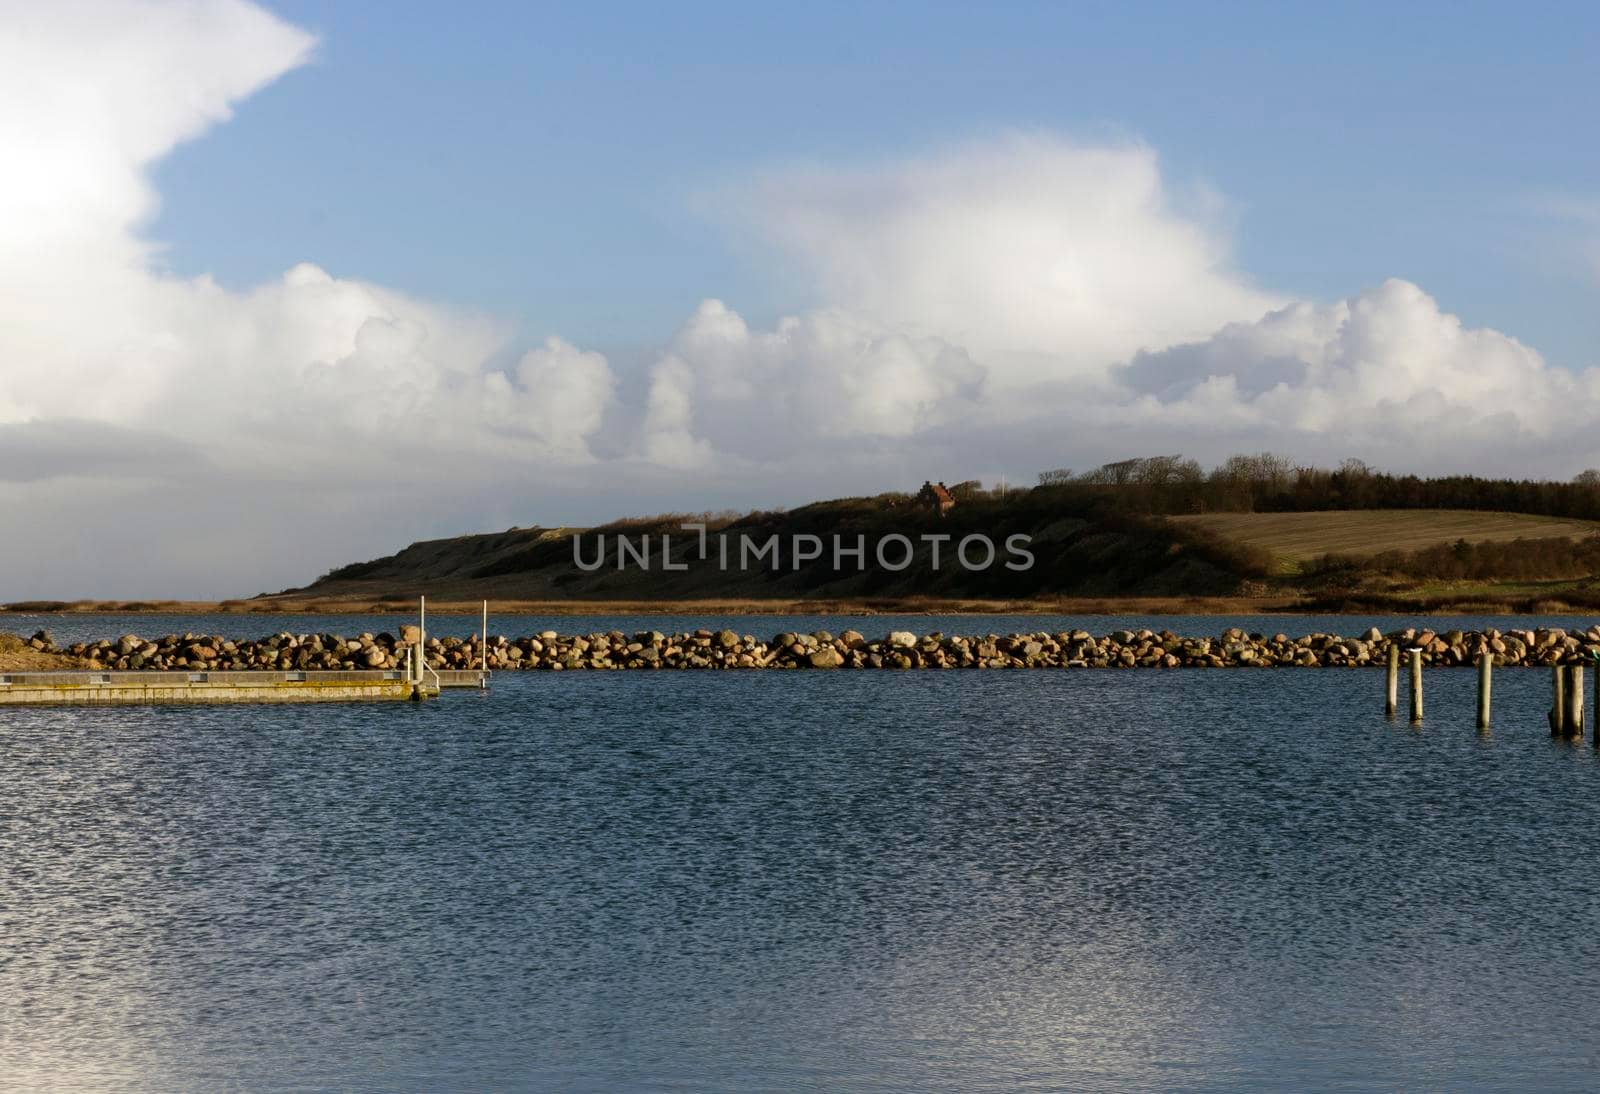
[[1269, 483]]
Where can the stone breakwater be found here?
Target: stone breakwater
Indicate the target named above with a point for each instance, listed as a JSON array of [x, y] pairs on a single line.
[[705, 649]]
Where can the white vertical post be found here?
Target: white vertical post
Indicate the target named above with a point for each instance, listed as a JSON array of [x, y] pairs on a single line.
[[422, 638], [1485, 667], [484, 660], [1416, 685]]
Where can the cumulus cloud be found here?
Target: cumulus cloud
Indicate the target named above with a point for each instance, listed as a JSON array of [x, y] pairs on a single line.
[[1388, 359], [962, 286], [1039, 296], [92, 94], [1045, 259], [769, 396], [306, 376]]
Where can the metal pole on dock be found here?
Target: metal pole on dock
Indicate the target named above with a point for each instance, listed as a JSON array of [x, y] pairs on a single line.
[[1575, 700], [1558, 701], [1392, 700], [422, 638], [1485, 668], [1416, 685]]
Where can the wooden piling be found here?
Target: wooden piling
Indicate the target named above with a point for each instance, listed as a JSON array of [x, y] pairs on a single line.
[[1558, 701], [1485, 668], [1416, 686], [1392, 702], [1597, 708], [1575, 700]]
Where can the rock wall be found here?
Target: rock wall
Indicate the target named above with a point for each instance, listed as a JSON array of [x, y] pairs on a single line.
[[706, 649]]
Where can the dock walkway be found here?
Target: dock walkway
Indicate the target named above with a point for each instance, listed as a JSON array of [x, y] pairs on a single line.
[[233, 686]]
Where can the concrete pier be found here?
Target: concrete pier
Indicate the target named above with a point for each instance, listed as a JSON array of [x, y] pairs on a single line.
[[29, 688]]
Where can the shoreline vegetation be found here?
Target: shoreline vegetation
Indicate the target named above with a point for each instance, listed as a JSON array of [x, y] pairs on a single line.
[[729, 650]]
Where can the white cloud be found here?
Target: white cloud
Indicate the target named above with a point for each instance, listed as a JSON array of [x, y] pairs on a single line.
[[94, 93], [1045, 259], [1387, 375], [1384, 360], [563, 398], [773, 396], [305, 377]]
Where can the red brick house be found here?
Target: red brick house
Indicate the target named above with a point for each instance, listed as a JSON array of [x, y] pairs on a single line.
[[936, 497]]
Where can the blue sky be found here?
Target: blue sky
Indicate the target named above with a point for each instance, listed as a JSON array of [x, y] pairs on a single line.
[[549, 162]]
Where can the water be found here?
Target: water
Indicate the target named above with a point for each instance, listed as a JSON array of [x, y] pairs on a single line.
[[72, 627], [1086, 880]]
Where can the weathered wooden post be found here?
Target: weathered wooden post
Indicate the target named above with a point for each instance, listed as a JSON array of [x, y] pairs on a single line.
[[1416, 685], [1558, 701], [1575, 700], [1485, 668], [1597, 707], [1392, 702]]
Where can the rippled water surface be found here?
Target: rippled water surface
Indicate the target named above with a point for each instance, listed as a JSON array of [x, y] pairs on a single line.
[[777, 881]]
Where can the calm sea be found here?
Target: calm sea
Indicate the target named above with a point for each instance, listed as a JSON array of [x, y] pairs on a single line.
[[1071, 880]]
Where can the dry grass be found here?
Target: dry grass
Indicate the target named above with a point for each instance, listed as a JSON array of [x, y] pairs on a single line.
[[1293, 538], [17, 656]]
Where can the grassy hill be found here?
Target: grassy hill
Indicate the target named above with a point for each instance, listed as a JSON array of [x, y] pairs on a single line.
[[1088, 547], [1082, 545], [1295, 539]]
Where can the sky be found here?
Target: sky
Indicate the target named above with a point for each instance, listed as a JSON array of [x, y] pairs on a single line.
[[288, 285]]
